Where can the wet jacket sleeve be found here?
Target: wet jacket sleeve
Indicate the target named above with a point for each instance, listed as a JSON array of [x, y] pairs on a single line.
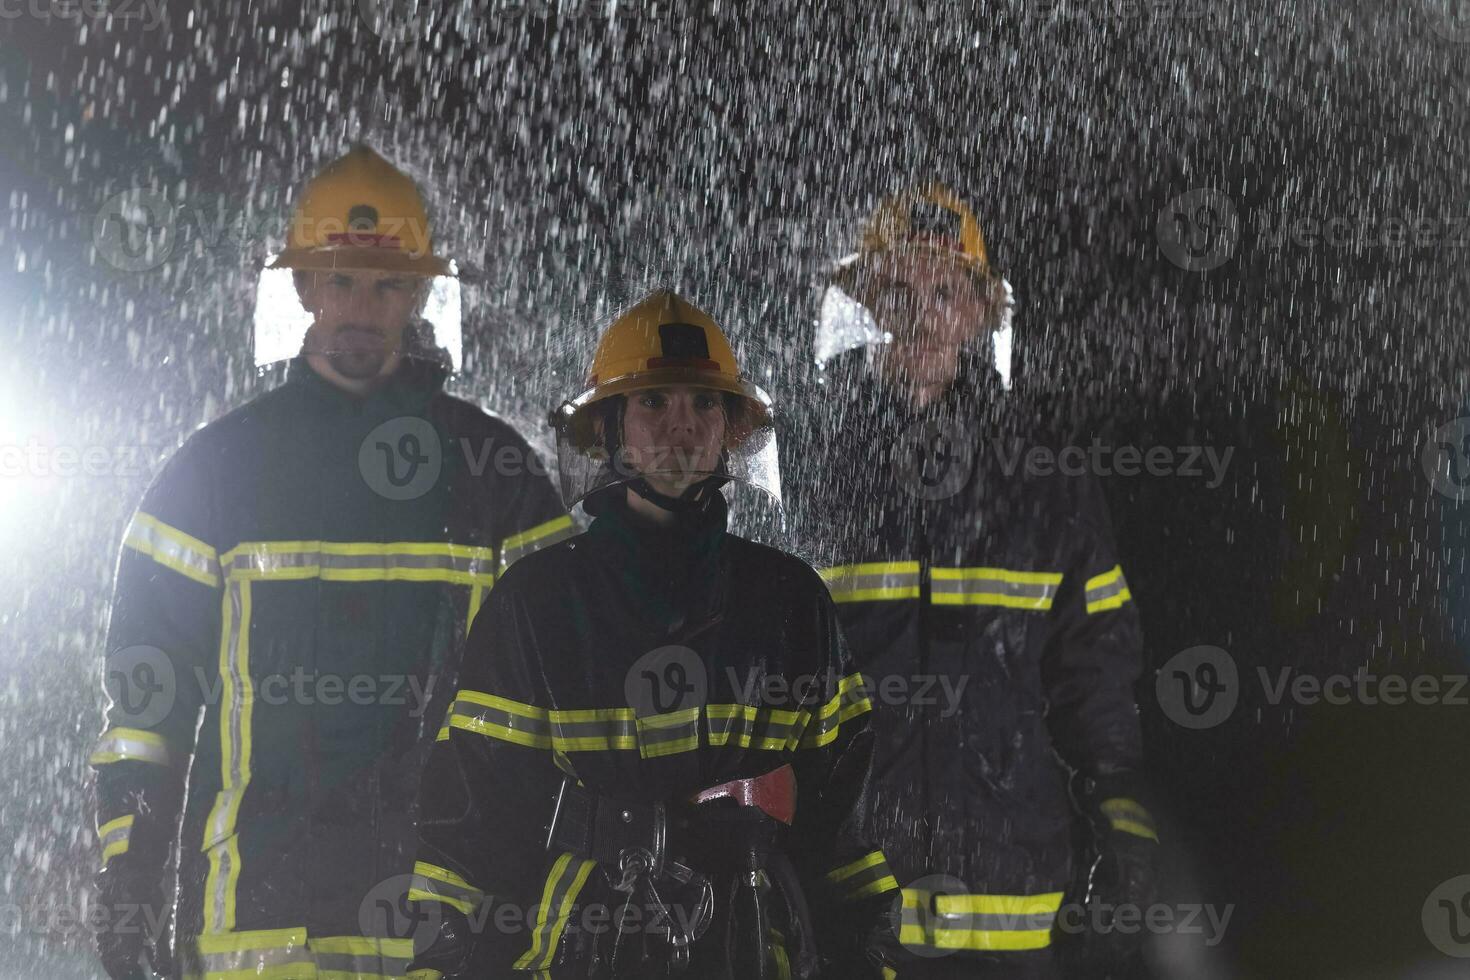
[[1094, 655], [848, 882], [162, 644], [529, 514], [490, 784]]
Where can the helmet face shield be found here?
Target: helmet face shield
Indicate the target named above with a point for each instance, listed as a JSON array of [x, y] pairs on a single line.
[[599, 447], [363, 310]]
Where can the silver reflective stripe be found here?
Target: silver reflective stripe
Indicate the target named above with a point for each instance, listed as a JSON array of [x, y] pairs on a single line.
[[115, 836], [980, 921], [873, 581], [118, 745], [484, 714], [173, 548], [756, 728], [605, 733], [226, 804], [265, 561], [247, 961], [362, 964], [992, 585], [443, 889], [1111, 585]]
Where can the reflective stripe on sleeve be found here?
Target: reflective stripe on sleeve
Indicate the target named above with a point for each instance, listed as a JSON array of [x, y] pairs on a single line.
[[873, 581], [1129, 817], [1107, 591], [868, 875], [518, 546], [130, 745], [432, 883], [978, 922], [173, 549], [278, 953], [114, 835], [360, 957]]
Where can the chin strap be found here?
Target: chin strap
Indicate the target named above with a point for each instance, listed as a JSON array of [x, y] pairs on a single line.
[[694, 497]]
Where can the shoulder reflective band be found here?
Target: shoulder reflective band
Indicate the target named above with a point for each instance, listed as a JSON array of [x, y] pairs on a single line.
[[114, 835], [130, 745], [993, 587], [868, 875], [432, 883], [872, 581], [1129, 817], [278, 953], [173, 549], [360, 957], [518, 546], [620, 729], [563, 883], [978, 922], [1107, 591]]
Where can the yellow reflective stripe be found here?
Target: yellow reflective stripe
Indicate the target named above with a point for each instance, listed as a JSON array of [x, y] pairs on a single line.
[[114, 836], [130, 744], [432, 883], [220, 838], [850, 701], [1049, 902], [281, 954], [543, 535], [557, 898], [993, 587], [1106, 591], [868, 875], [872, 581], [353, 561], [359, 957], [173, 549], [978, 922], [741, 722], [1129, 817]]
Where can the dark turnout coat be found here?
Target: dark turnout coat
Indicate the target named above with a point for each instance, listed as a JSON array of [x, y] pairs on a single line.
[[982, 597], [647, 664], [298, 583]]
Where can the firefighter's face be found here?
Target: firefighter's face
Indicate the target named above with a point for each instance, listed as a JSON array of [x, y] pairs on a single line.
[[929, 306], [673, 436], [358, 318]]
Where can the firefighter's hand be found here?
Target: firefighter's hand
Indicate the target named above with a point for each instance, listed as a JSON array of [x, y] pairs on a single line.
[[449, 954], [1124, 879], [133, 900]]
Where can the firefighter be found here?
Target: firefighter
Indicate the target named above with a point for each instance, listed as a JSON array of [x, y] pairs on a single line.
[[293, 577], [982, 592], [658, 757]]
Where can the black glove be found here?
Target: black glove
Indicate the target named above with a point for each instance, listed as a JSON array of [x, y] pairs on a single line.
[[454, 943], [1121, 871], [134, 929]]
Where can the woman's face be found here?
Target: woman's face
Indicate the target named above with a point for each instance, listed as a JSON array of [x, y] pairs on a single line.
[[673, 436]]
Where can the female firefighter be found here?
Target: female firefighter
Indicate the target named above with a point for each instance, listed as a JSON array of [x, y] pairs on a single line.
[[657, 760]]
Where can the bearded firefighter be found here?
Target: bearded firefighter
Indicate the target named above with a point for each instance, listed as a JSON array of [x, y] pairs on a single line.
[[985, 595], [657, 762], [302, 575]]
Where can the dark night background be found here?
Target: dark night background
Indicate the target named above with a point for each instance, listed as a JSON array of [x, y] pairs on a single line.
[[577, 153]]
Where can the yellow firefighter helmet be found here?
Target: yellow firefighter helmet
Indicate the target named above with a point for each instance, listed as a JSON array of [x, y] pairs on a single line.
[[663, 341], [361, 213], [928, 218]]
